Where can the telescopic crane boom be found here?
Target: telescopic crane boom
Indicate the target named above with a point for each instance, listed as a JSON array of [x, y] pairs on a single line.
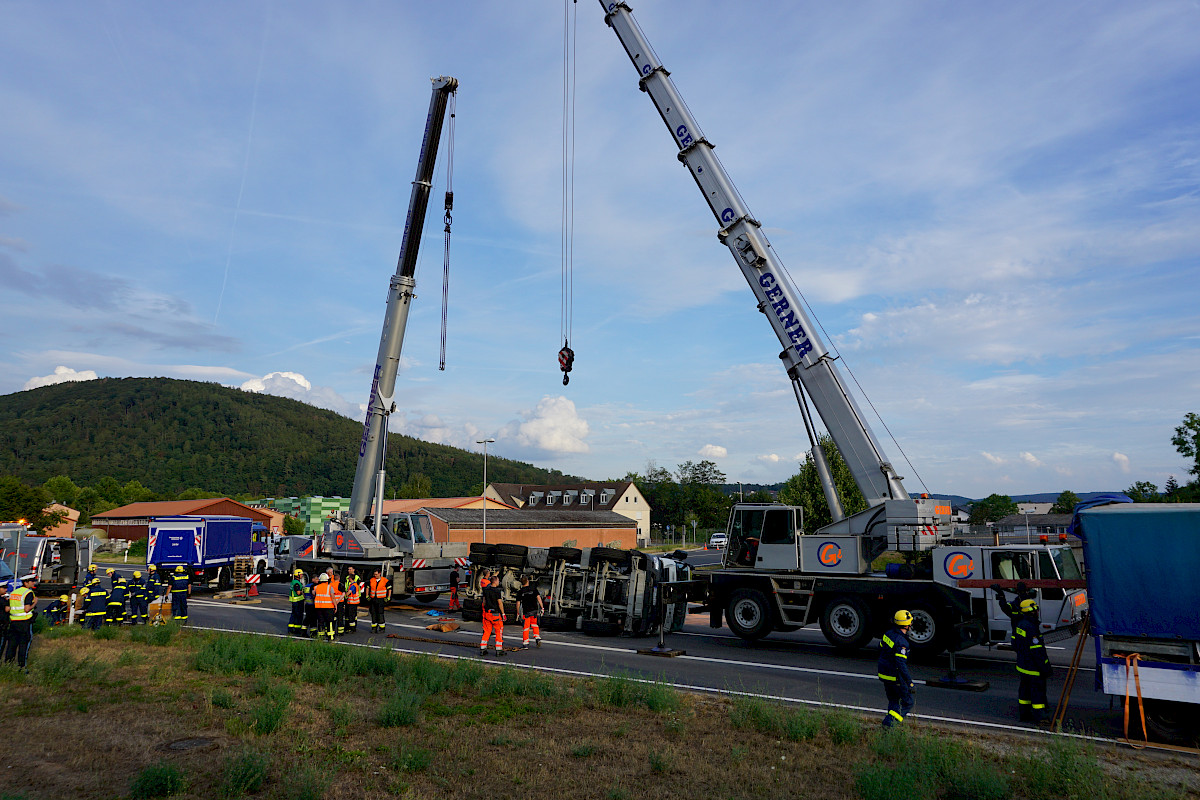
[[400, 294], [809, 365]]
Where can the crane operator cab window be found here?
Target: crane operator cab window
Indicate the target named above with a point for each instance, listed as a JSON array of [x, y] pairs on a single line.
[[762, 537]]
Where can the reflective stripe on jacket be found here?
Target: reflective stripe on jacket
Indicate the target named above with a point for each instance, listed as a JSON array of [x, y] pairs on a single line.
[[1031, 653], [352, 590], [893, 657], [16, 605], [378, 588], [324, 596]]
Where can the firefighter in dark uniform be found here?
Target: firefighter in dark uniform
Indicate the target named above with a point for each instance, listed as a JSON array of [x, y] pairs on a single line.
[[97, 605], [296, 598], [181, 586], [1013, 610], [1033, 664], [139, 600], [116, 602], [893, 669]]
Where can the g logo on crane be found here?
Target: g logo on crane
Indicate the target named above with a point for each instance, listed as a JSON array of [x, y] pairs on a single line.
[[959, 565], [339, 541], [829, 554]]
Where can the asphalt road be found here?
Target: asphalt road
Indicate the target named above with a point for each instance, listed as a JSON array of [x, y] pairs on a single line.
[[799, 667]]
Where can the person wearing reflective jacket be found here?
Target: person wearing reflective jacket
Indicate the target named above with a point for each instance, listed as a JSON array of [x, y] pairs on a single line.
[[97, 605], [1033, 664], [296, 598], [181, 587], [116, 602], [893, 669]]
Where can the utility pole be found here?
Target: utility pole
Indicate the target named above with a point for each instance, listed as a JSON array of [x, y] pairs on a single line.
[[483, 494]]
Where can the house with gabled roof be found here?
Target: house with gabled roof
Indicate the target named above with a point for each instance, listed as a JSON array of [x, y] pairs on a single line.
[[620, 497]]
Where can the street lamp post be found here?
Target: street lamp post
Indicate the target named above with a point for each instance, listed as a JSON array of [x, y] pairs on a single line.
[[485, 443], [1028, 535]]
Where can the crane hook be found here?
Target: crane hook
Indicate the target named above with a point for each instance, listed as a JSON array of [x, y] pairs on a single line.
[[566, 360]]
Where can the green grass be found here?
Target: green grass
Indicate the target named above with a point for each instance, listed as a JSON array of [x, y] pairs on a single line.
[[244, 773], [401, 709], [619, 691], [157, 780], [411, 759]]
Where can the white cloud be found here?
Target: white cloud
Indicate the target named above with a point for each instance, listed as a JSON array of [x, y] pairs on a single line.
[[713, 451], [61, 375], [298, 387], [553, 427], [1031, 459], [992, 459], [1122, 462], [770, 458]]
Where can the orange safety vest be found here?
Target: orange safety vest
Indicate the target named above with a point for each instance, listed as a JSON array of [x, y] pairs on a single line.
[[379, 587], [338, 595], [352, 590], [324, 596]]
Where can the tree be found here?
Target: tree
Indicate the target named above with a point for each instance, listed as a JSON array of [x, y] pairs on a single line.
[[705, 472], [293, 526], [416, 487], [1187, 441], [1065, 504], [760, 496], [62, 490], [804, 488], [29, 503], [1143, 492], [134, 492], [992, 508]]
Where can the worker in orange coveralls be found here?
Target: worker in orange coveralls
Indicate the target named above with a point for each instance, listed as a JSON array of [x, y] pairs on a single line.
[[493, 616]]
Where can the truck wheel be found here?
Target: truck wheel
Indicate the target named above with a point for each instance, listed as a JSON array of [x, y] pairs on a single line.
[[482, 554], [427, 597], [224, 581], [928, 632], [1172, 722], [472, 615], [512, 549], [846, 623], [571, 555], [748, 614], [551, 622], [510, 560], [612, 555]]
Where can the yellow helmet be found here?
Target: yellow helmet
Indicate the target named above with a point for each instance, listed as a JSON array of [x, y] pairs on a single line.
[[1028, 606], [151, 567], [62, 598], [180, 568], [298, 572], [109, 571], [137, 574], [903, 618]]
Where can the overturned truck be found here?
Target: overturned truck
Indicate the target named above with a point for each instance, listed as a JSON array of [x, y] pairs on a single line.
[[602, 591]]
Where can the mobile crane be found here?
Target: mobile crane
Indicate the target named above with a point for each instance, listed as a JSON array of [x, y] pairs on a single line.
[[776, 575], [401, 545]]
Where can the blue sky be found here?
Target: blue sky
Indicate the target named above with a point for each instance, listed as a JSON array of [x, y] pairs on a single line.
[[993, 209]]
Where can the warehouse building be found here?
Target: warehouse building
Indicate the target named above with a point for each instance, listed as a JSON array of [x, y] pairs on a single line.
[[132, 522]]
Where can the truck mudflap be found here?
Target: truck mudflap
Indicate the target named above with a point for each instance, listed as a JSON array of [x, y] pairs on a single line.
[[969, 633], [1063, 633]]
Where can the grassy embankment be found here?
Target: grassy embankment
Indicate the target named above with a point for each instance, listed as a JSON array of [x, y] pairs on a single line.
[[98, 713]]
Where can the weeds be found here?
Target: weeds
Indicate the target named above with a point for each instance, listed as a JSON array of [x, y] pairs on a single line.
[[157, 780], [221, 698], [155, 635], [411, 759], [59, 667], [244, 773], [659, 762], [108, 632], [306, 784], [620, 691], [402, 708], [583, 750]]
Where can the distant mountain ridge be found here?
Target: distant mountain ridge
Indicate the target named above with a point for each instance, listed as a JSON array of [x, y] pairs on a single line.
[[173, 435]]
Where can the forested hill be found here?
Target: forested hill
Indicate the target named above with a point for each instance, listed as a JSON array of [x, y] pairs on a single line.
[[172, 435]]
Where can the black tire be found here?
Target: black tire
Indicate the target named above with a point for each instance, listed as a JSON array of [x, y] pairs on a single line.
[[572, 555], [426, 597], [612, 555], [929, 631], [224, 579], [551, 622], [472, 604], [600, 627], [472, 615], [510, 560], [483, 557], [846, 622], [1172, 722], [748, 614], [512, 549]]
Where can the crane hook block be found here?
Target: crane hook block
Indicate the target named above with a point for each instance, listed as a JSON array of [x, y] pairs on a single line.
[[566, 360]]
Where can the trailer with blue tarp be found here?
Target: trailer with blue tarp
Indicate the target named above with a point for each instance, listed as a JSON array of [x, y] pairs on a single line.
[[1143, 563], [206, 546]]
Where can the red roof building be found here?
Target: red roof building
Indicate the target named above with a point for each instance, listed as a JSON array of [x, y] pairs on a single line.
[[132, 522]]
